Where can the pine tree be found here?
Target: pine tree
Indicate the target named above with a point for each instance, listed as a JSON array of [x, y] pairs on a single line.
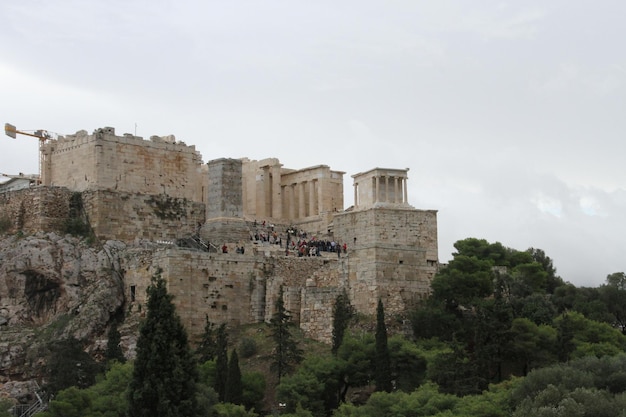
[[114, 350], [287, 352], [342, 312], [164, 374], [221, 361], [382, 366], [234, 386]]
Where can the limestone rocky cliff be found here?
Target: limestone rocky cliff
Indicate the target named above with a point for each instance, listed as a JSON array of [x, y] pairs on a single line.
[[51, 288]]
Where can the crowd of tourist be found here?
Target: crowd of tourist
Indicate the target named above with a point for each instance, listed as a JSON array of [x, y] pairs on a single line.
[[295, 241]]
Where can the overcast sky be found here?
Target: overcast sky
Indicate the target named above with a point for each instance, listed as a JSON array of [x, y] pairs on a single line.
[[510, 115]]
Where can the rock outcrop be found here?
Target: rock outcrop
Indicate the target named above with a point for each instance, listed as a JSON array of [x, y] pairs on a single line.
[[51, 288]]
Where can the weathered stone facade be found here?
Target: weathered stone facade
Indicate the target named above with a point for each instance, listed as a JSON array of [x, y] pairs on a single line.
[[393, 256], [126, 164], [239, 288], [35, 209]]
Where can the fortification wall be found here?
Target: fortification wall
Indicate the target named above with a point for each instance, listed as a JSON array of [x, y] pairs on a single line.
[[130, 216], [392, 256], [238, 289], [111, 215], [124, 163], [35, 209]]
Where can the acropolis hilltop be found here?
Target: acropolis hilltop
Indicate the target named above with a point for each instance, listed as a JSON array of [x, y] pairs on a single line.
[[227, 234]]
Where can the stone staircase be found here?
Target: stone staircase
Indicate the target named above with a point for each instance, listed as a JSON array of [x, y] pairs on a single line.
[[196, 242]]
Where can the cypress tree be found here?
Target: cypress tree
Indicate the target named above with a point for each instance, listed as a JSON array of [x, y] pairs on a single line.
[[382, 365], [221, 362], [234, 386], [342, 312], [207, 348], [114, 351], [164, 374], [287, 352]]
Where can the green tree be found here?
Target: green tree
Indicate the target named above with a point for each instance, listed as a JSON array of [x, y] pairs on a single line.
[[531, 346], [358, 353], [221, 362], [432, 319], [382, 363], [342, 312], [106, 398], [589, 337], [456, 373], [253, 390], [408, 366], [206, 349], [114, 350], [164, 375], [613, 294], [286, 354], [464, 280], [552, 280], [317, 385], [5, 406], [582, 387], [304, 389], [69, 365], [234, 387], [232, 410]]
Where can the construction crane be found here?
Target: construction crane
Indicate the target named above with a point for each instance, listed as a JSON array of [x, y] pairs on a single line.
[[42, 135]]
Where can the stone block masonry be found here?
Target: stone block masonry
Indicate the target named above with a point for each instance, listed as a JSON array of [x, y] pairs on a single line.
[[130, 216], [224, 218], [123, 163], [36, 209], [238, 289], [392, 256], [111, 215]]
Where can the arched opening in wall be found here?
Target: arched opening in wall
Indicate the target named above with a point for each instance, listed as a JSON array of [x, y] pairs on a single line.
[[133, 293]]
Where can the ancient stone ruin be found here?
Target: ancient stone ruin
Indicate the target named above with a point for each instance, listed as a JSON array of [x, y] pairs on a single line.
[[227, 234]]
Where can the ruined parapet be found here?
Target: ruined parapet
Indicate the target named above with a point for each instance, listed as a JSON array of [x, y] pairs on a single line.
[[224, 214], [127, 163]]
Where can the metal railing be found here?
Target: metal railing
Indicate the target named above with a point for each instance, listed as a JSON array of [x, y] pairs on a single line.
[[28, 410]]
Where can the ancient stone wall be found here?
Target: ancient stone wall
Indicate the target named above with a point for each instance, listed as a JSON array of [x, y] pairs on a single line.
[[130, 216], [111, 215], [35, 209], [316, 313], [392, 256], [224, 215], [124, 163], [237, 289]]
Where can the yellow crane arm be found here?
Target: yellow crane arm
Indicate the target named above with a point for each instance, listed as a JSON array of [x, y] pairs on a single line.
[[11, 131]]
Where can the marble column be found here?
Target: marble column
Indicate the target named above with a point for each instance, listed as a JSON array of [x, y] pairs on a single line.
[[292, 201], [301, 201], [312, 199], [386, 188], [406, 196], [377, 189], [277, 206]]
